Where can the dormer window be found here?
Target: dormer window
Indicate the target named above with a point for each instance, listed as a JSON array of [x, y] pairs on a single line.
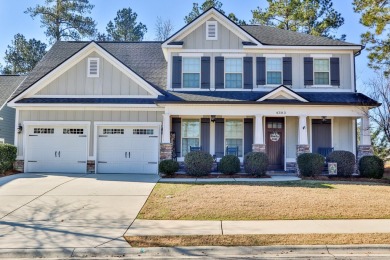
[[212, 30], [93, 67]]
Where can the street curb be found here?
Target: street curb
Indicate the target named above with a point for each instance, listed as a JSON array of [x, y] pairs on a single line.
[[323, 251]]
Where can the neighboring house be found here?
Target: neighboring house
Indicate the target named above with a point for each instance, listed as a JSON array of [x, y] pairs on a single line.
[[120, 107], [8, 84]]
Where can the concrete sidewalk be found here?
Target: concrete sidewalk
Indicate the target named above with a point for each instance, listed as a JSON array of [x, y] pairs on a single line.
[[189, 227]]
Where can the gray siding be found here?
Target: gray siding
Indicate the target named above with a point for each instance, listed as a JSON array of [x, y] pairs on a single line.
[[7, 125], [111, 81], [92, 116], [226, 39]]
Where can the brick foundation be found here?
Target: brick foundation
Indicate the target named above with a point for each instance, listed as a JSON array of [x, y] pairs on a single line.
[[364, 150], [91, 166], [302, 148], [291, 167], [19, 165], [166, 151], [258, 148]]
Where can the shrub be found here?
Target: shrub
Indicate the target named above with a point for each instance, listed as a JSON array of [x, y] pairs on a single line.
[[168, 167], [229, 164], [371, 167], [198, 163], [310, 164], [256, 163], [345, 162], [7, 157]]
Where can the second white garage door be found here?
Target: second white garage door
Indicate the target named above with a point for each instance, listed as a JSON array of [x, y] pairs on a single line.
[[127, 149]]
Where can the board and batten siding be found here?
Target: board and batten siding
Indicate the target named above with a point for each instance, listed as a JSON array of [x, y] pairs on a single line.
[[7, 125], [226, 39], [291, 136], [86, 115], [343, 134], [111, 81]]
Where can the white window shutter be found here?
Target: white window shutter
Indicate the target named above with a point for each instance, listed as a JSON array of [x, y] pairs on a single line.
[[93, 67], [211, 30]]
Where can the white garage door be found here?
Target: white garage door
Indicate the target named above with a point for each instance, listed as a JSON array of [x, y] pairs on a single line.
[[57, 149], [127, 149]]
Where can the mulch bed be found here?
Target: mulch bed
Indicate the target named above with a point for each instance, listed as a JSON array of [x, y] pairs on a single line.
[[349, 179], [212, 176], [9, 172]]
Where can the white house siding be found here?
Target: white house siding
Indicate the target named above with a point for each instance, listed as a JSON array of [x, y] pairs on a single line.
[[343, 134], [86, 115], [7, 125], [226, 39], [75, 81]]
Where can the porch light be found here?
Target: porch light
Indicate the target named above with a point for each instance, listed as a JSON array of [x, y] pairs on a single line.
[[20, 129], [213, 118], [323, 118]]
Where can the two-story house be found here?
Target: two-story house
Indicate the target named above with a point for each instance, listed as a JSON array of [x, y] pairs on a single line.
[[120, 107]]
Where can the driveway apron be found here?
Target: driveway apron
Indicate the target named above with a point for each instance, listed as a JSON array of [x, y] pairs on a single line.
[[70, 210]]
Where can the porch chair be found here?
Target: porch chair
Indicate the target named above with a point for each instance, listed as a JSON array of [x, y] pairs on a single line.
[[195, 148], [232, 150], [325, 151]]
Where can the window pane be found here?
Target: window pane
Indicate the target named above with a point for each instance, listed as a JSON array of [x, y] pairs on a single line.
[[191, 65], [321, 65], [321, 78], [234, 129], [233, 80], [274, 77], [274, 64], [187, 142], [233, 65], [235, 142], [191, 80], [190, 128]]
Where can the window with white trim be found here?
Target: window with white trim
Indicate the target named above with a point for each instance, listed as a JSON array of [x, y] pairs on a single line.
[[2, 141], [190, 134], [233, 72], [234, 134], [93, 67], [43, 130], [113, 131], [143, 132], [212, 30], [73, 131], [274, 71], [321, 68], [191, 72]]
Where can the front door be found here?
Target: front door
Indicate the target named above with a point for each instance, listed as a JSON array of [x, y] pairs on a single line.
[[274, 136]]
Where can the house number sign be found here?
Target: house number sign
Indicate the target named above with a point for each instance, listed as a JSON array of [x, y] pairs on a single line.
[[274, 137], [281, 112]]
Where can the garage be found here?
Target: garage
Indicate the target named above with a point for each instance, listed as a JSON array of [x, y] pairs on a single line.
[[127, 149], [61, 149]]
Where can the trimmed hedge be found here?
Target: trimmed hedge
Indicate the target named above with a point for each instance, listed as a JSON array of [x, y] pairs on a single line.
[[310, 164], [256, 163], [371, 167], [198, 163], [7, 157], [229, 164], [345, 162], [168, 167]]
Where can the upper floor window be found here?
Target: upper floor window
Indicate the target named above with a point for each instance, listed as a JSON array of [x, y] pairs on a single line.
[[321, 71], [191, 72], [274, 71], [233, 72]]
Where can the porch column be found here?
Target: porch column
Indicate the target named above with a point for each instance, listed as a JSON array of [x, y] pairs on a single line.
[[303, 144], [259, 145], [166, 133], [364, 147], [166, 145]]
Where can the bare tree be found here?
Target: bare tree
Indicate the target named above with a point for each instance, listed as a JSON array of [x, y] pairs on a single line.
[[379, 90], [163, 29]]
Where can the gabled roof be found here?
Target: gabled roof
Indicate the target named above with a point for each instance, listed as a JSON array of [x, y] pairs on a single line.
[[285, 92], [143, 58], [8, 84], [268, 35]]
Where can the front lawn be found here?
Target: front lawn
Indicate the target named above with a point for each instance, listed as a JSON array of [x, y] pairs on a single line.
[[266, 201]]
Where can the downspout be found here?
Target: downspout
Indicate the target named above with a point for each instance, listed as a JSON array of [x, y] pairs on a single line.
[[354, 79]]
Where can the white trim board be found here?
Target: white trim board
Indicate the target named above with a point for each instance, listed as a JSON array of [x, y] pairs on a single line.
[[284, 92]]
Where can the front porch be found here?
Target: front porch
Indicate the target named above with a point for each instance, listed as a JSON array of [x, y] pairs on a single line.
[[280, 134]]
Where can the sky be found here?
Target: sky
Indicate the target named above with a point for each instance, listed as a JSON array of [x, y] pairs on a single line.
[[13, 20]]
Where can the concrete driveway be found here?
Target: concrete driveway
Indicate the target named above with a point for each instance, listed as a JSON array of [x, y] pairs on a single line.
[[70, 210]]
